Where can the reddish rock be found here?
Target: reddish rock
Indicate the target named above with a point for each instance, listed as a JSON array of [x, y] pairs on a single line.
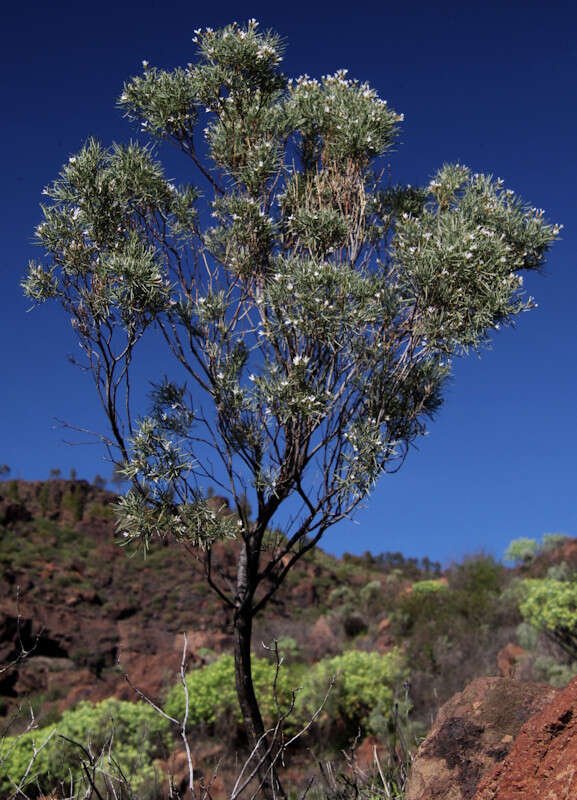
[[203, 640], [473, 731], [323, 640], [508, 659], [364, 755], [384, 625], [542, 763]]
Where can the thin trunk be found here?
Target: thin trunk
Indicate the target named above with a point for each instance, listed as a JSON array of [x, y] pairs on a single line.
[[251, 715]]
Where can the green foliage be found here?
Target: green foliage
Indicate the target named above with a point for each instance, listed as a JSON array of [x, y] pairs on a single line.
[[300, 223], [527, 636], [551, 541], [371, 595], [425, 588], [316, 314], [73, 500], [365, 682], [288, 649], [551, 606], [42, 540], [101, 511], [212, 692], [560, 572], [525, 550], [550, 670], [341, 596], [136, 733], [44, 497], [471, 596], [522, 551]]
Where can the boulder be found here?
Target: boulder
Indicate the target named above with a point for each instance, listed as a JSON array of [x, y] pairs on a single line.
[[472, 732], [508, 660], [542, 762]]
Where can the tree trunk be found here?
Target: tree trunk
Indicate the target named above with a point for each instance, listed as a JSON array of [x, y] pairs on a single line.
[[251, 715]]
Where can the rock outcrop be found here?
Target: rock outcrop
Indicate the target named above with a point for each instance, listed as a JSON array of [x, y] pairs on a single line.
[[473, 731], [542, 762]]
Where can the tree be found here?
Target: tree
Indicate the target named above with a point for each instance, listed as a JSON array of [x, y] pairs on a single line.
[[524, 551], [315, 314], [4, 470], [99, 482]]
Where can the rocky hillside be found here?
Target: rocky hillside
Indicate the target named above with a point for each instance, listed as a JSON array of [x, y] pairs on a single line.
[[485, 676], [89, 610]]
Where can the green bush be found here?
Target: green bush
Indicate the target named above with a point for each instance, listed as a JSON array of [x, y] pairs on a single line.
[[364, 682], [548, 669], [371, 596], [525, 550], [522, 551], [425, 588], [136, 732], [551, 606], [212, 692], [74, 501]]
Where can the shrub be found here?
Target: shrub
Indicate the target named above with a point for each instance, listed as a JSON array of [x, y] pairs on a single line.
[[522, 551], [137, 733], [73, 501], [424, 588], [371, 596], [548, 669], [551, 606], [364, 682], [212, 691]]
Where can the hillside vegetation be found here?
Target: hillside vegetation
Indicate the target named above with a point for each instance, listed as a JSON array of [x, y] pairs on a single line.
[[397, 636]]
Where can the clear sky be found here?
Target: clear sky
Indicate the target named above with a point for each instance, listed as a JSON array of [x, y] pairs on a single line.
[[490, 84]]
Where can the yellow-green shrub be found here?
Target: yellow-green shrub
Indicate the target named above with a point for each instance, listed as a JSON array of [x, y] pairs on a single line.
[[212, 691], [137, 734], [364, 681], [551, 606]]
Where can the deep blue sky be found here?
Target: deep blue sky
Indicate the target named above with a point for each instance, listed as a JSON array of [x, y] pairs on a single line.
[[489, 84]]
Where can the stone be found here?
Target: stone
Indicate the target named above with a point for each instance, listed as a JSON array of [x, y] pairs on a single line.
[[472, 732], [542, 762], [508, 660]]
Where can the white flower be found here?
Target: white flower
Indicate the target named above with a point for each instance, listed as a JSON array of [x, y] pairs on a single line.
[[300, 360], [145, 64], [252, 377]]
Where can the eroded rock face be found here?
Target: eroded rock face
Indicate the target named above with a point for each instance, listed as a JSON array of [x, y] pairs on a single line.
[[542, 762], [473, 731]]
